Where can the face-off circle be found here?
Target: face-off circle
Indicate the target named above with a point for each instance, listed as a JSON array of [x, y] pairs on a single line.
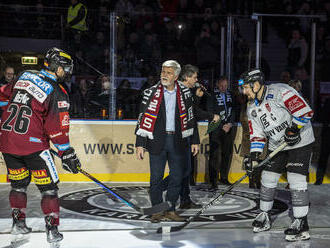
[[236, 205]]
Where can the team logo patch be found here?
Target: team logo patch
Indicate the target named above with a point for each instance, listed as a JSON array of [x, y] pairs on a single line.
[[237, 205], [64, 119], [254, 113], [294, 104]]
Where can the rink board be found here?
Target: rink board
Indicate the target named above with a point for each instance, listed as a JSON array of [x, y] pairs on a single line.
[[106, 150]]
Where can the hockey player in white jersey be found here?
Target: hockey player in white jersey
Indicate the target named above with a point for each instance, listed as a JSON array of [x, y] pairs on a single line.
[[277, 113]]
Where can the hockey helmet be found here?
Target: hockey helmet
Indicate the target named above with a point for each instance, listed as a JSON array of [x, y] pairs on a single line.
[[250, 77], [56, 57]]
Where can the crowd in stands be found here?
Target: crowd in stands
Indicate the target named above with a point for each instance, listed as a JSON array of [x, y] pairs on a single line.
[[151, 31]]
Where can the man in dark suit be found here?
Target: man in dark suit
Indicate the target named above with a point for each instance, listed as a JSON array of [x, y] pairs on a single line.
[[221, 139], [165, 123]]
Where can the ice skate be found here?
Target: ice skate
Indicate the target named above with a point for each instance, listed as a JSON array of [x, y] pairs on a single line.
[[53, 235], [20, 232], [261, 223], [298, 230]]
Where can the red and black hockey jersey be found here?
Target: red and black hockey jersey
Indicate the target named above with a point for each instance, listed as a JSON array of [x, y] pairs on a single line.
[[37, 112]]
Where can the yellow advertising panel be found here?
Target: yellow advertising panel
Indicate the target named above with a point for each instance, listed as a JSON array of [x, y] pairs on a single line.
[[106, 150]]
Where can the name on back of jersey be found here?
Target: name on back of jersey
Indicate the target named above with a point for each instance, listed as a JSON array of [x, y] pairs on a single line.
[[22, 98]]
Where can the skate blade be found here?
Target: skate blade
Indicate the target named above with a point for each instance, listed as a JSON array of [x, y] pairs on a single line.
[[55, 245], [302, 236], [17, 242], [19, 237], [258, 229]]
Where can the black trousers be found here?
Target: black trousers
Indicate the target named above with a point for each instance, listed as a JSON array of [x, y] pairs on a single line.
[[324, 153], [221, 150]]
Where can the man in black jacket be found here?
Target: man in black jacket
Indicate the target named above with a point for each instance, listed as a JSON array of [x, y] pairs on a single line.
[[325, 143], [188, 77], [221, 140], [165, 123]]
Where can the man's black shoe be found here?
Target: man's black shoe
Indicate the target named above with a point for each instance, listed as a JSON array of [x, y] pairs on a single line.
[[212, 188], [189, 205], [318, 181], [224, 181]]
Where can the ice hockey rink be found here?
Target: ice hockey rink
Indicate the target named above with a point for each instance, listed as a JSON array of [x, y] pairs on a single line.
[[92, 219]]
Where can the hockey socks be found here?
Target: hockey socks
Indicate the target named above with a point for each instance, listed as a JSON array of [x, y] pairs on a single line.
[[50, 206]]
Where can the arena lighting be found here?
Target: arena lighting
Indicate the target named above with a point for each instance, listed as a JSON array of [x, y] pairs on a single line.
[[29, 60]]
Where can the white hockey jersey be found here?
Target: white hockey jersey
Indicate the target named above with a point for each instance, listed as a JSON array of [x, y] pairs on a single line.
[[281, 106]]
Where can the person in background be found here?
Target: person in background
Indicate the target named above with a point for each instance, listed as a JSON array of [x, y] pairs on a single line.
[[8, 75], [325, 143], [80, 99], [40, 106], [285, 77], [296, 84], [76, 24], [221, 139], [166, 128]]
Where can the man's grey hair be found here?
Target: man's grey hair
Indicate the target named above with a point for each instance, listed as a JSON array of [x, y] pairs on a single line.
[[187, 71], [174, 64]]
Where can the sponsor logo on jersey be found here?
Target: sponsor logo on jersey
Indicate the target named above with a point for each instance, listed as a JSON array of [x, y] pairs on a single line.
[[32, 89], [39, 173], [294, 104], [238, 205], [62, 147], [286, 92], [64, 119], [254, 113], [18, 174], [55, 135], [250, 127], [35, 79], [42, 181], [268, 107], [264, 120], [36, 140], [269, 96], [295, 164], [45, 155], [63, 104]]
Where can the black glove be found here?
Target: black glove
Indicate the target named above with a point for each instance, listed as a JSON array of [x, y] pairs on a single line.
[[70, 162], [292, 135], [250, 162]]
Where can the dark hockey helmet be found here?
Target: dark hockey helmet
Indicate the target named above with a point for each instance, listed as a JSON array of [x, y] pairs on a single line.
[[56, 57], [251, 76]]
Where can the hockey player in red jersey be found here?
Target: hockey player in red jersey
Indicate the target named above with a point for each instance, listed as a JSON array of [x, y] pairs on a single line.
[[277, 113], [37, 113]]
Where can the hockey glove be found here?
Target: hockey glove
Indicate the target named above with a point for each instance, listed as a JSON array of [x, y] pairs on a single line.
[[250, 162], [70, 161], [292, 135]]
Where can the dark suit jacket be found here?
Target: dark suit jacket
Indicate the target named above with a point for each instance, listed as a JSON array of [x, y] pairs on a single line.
[[156, 145], [215, 108]]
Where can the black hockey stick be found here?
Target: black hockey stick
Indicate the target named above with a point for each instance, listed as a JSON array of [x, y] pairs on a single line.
[[219, 197], [146, 211]]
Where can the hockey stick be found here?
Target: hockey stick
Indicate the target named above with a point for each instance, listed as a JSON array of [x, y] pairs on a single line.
[[219, 197], [146, 211]]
